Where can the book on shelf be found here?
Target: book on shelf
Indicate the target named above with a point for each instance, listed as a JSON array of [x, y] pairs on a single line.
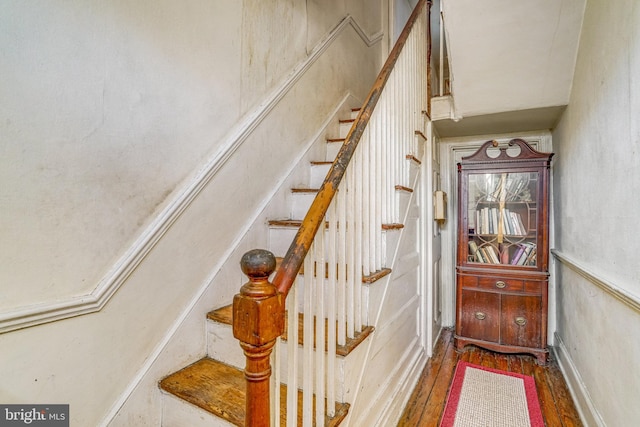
[[485, 254], [517, 254], [494, 220], [517, 219], [475, 252], [524, 255], [492, 254], [507, 227], [531, 259], [488, 220]]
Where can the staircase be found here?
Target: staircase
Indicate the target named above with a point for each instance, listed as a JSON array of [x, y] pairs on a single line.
[[306, 326], [211, 391]]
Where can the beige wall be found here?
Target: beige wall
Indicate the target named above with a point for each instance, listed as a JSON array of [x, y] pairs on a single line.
[[106, 108], [110, 109], [597, 180]]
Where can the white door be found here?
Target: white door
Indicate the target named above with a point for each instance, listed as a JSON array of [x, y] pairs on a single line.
[[432, 259]]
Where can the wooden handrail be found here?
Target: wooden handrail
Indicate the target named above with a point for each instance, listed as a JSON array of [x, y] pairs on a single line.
[[292, 262]]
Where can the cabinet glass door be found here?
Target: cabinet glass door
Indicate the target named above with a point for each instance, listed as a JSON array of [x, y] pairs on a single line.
[[502, 218]]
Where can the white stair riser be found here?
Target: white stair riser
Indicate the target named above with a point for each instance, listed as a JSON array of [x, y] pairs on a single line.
[[414, 169], [345, 128], [340, 364], [300, 204], [332, 150], [223, 346], [180, 413], [404, 198], [318, 174], [280, 238]]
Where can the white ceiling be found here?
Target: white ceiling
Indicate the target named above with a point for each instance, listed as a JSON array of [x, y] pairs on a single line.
[[510, 56]]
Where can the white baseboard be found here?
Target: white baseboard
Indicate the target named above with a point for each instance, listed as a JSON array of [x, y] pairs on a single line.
[[393, 411], [585, 406]]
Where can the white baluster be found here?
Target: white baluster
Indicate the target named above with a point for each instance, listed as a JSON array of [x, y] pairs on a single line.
[[307, 359], [319, 283], [292, 353], [331, 309]]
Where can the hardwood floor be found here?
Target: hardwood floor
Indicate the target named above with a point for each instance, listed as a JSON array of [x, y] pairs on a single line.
[[426, 404]]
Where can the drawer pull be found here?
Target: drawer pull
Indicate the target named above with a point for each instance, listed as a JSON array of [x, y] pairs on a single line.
[[521, 321], [480, 315], [500, 284]]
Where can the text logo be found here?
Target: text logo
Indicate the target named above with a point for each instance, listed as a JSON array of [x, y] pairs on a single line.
[[34, 415]]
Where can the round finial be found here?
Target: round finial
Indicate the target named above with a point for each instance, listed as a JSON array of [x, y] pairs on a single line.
[[258, 263]]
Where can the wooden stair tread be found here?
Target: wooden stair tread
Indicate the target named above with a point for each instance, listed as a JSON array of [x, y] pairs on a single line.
[[224, 315], [368, 279], [403, 188], [297, 222], [413, 159], [341, 350], [376, 275], [315, 190], [213, 386], [220, 390], [285, 222], [392, 226]]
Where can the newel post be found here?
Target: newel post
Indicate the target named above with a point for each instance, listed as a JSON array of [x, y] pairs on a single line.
[[258, 319]]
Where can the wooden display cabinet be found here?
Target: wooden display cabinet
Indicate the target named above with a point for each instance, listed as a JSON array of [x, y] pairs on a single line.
[[503, 249]]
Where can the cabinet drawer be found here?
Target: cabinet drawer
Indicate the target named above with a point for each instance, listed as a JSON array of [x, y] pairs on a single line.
[[533, 287], [467, 282], [499, 284], [520, 322], [479, 315]]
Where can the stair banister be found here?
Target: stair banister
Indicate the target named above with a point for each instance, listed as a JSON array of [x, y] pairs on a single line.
[[259, 308], [258, 320], [290, 266]]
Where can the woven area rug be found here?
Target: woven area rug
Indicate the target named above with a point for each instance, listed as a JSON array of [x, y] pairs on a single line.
[[484, 397]]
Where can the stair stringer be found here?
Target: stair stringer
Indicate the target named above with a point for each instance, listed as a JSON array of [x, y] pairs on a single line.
[[185, 343], [395, 348]]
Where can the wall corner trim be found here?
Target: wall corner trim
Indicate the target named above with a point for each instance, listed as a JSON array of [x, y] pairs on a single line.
[[603, 283], [584, 404], [28, 316]]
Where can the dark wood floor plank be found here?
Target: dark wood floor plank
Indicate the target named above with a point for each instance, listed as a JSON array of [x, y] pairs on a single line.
[[515, 364], [475, 355], [561, 396], [435, 405], [418, 400], [547, 404], [502, 362], [488, 359], [428, 399]]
